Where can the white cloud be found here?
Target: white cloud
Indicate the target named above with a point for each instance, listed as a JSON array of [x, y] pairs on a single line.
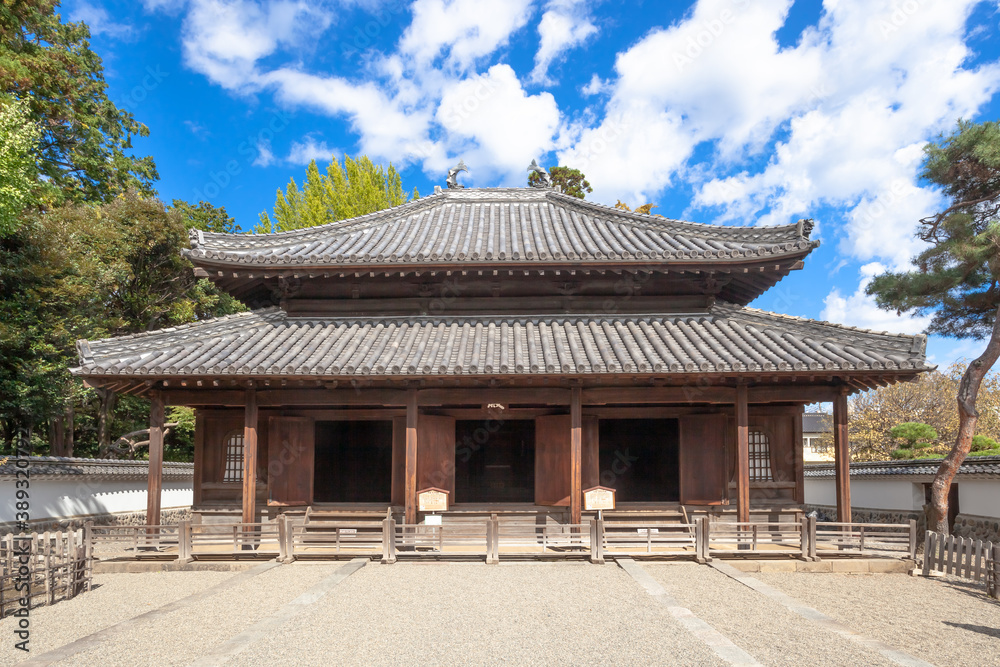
[[859, 309], [495, 126], [595, 86], [564, 25], [100, 22], [461, 31], [224, 39], [265, 155], [307, 150]]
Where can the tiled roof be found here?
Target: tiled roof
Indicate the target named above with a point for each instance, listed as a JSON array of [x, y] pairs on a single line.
[[817, 422], [500, 226], [973, 465], [53, 467], [725, 338]]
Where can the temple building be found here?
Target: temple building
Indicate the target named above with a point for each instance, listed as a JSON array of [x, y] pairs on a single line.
[[512, 347]]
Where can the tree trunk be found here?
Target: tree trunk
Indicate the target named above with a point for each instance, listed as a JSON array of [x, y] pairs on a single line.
[[69, 424], [968, 415], [108, 400]]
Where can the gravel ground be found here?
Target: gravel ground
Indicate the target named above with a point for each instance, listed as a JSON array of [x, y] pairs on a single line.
[[762, 627], [947, 622], [473, 614], [180, 637], [114, 598]]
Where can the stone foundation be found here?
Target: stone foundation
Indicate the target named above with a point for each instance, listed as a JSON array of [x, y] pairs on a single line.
[[169, 517], [977, 527]]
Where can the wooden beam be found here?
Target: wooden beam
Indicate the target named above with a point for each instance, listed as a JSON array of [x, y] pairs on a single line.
[[640, 395], [742, 455], [411, 457], [199, 455], [250, 457], [154, 484], [798, 452], [473, 396], [576, 457], [842, 458]]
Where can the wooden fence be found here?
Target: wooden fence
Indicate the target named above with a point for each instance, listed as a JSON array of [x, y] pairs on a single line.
[[289, 538], [42, 568], [993, 574], [960, 556]]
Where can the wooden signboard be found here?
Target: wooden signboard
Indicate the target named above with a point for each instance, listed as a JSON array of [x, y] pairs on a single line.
[[432, 500], [599, 498]]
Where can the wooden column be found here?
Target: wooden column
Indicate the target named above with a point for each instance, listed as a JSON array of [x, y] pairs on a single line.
[[576, 457], [742, 455], [155, 478], [411, 457], [842, 457], [250, 457]]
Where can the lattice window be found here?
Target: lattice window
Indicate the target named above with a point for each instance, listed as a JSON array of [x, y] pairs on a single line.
[[760, 457], [234, 458]]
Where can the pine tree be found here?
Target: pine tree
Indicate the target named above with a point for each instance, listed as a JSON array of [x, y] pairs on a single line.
[[957, 279]]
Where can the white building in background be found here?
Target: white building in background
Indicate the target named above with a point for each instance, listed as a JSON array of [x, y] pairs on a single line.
[[815, 426], [898, 490], [69, 491]]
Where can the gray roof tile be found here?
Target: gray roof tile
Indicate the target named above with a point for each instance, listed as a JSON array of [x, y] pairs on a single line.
[[988, 466], [497, 226], [725, 338]]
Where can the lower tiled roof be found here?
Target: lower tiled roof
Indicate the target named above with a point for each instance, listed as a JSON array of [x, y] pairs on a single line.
[[726, 338], [973, 465], [52, 467]]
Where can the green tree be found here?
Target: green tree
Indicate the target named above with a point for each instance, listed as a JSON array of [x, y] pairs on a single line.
[[205, 217], [358, 188], [18, 140], [915, 434], [957, 277], [83, 151], [572, 181]]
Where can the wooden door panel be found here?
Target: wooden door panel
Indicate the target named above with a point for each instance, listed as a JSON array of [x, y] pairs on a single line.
[[703, 459], [779, 431], [552, 460], [435, 453], [291, 456]]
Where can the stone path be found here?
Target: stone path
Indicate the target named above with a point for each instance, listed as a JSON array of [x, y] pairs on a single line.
[[454, 613]]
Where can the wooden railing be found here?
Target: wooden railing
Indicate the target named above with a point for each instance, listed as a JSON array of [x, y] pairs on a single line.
[[960, 556], [769, 538], [41, 569], [993, 574], [863, 538], [491, 538], [650, 538]]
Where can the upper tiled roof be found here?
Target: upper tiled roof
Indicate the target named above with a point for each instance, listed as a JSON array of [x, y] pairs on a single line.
[[500, 226], [53, 467], [973, 465], [725, 338]]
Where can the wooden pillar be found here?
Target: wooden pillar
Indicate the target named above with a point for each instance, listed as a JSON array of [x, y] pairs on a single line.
[[250, 457], [742, 455], [576, 457], [411, 457], [155, 478], [842, 457]]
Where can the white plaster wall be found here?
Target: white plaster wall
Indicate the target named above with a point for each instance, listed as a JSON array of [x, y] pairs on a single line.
[[901, 495], [62, 498], [820, 491], [979, 497]]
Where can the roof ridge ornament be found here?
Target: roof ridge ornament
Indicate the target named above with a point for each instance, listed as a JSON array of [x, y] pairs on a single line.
[[545, 180], [806, 226], [452, 181]]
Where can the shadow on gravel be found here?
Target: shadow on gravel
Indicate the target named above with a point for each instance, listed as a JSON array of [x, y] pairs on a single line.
[[971, 589], [981, 629]]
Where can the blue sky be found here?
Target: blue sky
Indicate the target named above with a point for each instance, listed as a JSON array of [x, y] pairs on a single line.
[[752, 112]]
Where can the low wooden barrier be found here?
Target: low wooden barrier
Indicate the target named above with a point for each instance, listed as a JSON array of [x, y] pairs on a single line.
[[759, 538], [332, 539], [960, 556], [993, 574], [650, 538], [829, 538], [108, 542], [42, 569], [524, 539]]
